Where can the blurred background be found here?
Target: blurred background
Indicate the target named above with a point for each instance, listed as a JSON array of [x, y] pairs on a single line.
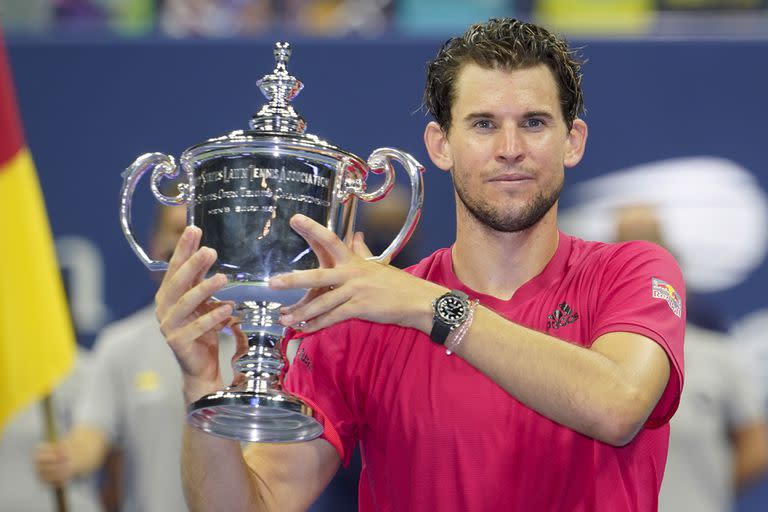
[[674, 89]]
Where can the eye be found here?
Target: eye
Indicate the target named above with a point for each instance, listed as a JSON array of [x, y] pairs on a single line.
[[483, 124], [534, 122]]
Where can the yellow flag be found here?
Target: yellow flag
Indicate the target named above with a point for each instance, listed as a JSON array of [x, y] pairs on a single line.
[[37, 343]]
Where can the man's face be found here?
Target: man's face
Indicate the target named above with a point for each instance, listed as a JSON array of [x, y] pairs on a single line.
[[508, 145], [172, 221]]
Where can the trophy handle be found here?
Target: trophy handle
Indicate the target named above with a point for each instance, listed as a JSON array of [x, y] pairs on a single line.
[[163, 167], [380, 161]]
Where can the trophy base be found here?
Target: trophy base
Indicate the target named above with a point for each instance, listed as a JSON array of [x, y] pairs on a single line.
[[269, 416]]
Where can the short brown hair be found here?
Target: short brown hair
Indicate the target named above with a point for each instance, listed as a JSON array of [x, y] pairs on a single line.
[[509, 44]]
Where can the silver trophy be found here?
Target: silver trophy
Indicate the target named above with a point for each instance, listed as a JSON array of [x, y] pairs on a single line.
[[241, 189]]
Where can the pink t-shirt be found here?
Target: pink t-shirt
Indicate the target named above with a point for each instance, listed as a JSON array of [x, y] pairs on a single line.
[[436, 434]]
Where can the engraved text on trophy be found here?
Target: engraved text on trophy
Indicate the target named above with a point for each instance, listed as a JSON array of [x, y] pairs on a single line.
[[243, 206]]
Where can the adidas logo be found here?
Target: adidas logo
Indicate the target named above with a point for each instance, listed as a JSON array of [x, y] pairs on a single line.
[[562, 316]]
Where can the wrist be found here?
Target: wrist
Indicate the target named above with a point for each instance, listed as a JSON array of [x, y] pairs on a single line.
[[194, 389], [423, 313]]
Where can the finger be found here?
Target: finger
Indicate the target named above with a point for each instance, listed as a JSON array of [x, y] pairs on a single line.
[[211, 305], [313, 278], [310, 295], [319, 236], [324, 258], [332, 317], [45, 456], [359, 247], [185, 247], [181, 336], [241, 343], [316, 308], [193, 304], [186, 276]]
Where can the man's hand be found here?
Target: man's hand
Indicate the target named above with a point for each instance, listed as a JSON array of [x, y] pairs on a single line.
[[54, 463], [348, 285], [189, 320]]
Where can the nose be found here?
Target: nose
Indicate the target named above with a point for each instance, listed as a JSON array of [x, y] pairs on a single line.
[[510, 146]]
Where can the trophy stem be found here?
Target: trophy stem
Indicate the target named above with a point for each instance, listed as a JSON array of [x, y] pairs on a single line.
[[257, 409], [263, 363]]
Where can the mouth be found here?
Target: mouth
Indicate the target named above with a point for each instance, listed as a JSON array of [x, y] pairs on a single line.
[[511, 177]]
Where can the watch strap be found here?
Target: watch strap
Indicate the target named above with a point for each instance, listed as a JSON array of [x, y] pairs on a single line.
[[440, 332]]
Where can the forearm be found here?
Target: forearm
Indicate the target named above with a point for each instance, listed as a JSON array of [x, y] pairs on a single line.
[[577, 387], [215, 476], [87, 447], [750, 453]]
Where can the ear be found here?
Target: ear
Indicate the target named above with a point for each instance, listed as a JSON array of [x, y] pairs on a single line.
[[438, 147], [575, 143]]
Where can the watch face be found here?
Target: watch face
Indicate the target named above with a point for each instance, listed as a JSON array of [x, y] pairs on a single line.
[[452, 309]]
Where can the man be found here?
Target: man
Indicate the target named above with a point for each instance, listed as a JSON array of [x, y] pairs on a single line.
[[130, 403], [563, 374]]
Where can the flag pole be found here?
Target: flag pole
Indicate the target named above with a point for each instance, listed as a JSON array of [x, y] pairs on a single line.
[[52, 436]]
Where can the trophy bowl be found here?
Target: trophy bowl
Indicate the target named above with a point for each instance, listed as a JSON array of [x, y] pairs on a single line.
[[241, 189]]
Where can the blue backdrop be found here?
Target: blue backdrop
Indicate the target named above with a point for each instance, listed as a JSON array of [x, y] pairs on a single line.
[[90, 107]]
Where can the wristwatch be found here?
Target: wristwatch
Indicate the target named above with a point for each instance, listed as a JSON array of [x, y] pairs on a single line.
[[450, 310]]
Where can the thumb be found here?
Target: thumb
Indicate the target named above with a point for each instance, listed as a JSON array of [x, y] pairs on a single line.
[[359, 247]]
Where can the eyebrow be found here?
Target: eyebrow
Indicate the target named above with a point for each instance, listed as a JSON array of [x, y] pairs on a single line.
[[488, 115], [538, 113]]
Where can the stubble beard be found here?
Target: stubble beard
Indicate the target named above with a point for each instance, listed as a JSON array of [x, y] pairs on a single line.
[[510, 221]]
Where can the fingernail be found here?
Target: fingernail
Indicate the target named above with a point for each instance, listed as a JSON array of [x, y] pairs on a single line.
[[276, 282], [299, 220], [190, 232]]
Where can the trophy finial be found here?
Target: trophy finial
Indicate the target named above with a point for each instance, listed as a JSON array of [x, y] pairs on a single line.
[[280, 88], [282, 53]]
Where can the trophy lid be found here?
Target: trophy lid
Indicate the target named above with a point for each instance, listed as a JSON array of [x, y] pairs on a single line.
[[275, 125], [277, 115]]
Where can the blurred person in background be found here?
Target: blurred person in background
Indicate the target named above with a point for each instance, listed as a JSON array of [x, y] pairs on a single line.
[[20, 487], [216, 18], [130, 402], [719, 436], [228, 18], [440, 17], [381, 222], [337, 18]]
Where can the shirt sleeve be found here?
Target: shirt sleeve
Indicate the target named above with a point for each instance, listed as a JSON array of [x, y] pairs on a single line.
[[327, 372], [642, 291], [97, 404], [745, 397]]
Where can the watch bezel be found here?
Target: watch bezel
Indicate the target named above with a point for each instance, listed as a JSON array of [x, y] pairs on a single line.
[[442, 326], [459, 301]]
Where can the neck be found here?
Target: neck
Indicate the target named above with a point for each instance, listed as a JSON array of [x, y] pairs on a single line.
[[497, 263]]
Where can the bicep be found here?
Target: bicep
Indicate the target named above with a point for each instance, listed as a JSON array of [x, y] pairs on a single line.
[[642, 362], [291, 476]]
